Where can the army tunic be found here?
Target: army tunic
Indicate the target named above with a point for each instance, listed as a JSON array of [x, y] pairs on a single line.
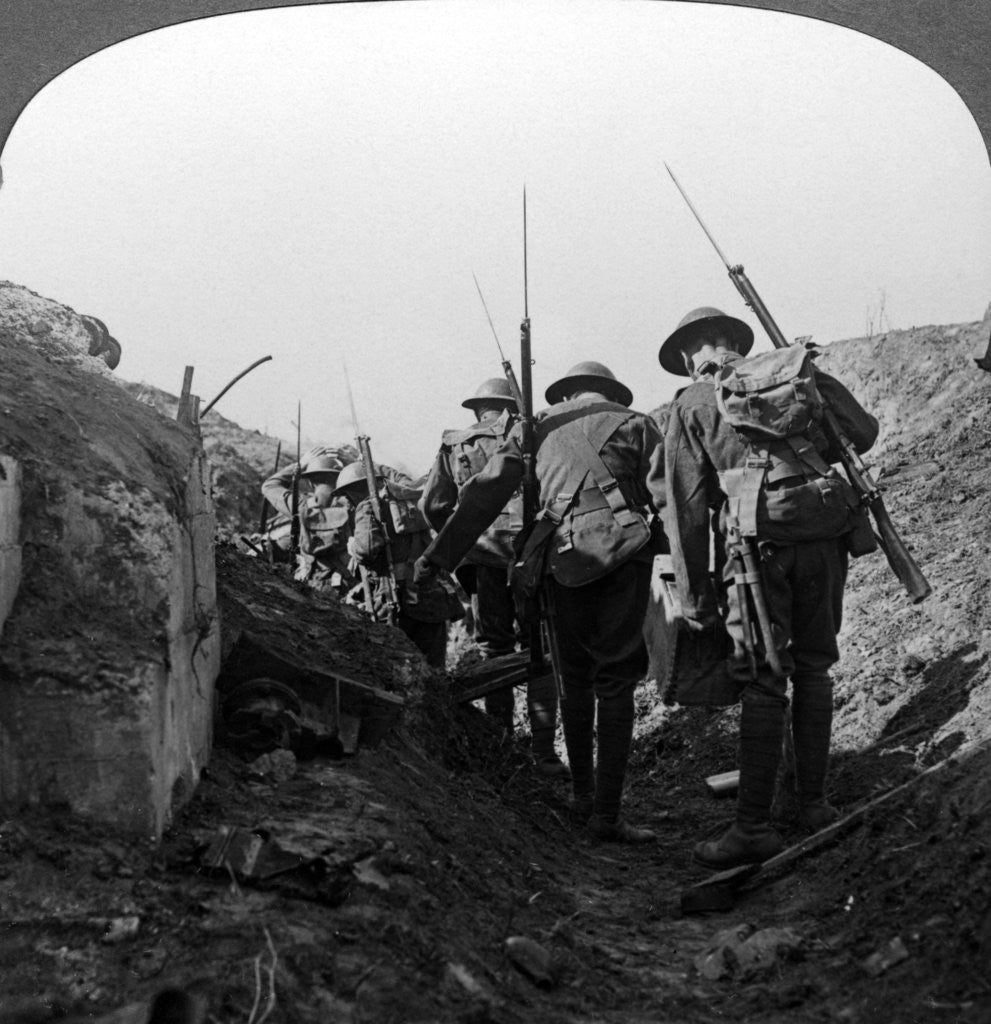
[[323, 531], [462, 455], [599, 622], [699, 445], [633, 454]]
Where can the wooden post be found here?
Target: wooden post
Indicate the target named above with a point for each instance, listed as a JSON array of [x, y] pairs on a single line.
[[182, 412]]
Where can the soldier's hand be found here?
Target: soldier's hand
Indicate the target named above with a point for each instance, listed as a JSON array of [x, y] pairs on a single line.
[[347, 453], [424, 570], [314, 453], [705, 624]]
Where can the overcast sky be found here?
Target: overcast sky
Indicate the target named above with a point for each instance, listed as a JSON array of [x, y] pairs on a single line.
[[317, 183]]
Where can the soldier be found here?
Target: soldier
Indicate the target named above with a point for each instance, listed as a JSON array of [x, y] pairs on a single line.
[[462, 454], [598, 469], [422, 613], [323, 523], [802, 569]]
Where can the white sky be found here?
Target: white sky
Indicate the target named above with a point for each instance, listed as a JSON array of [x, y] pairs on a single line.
[[317, 183]]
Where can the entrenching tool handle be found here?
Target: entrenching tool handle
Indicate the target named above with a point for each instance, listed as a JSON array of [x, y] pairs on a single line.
[[548, 626], [755, 585]]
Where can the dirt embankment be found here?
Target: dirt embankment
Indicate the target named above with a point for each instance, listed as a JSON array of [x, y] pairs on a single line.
[[424, 854]]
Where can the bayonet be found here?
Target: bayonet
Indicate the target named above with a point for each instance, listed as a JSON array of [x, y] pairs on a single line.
[[507, 366]]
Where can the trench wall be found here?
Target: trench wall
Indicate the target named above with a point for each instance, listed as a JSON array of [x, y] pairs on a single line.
[[111, 645]]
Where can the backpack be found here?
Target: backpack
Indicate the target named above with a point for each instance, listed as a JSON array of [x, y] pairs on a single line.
[[470, 448], [785, 492], [580, 536]]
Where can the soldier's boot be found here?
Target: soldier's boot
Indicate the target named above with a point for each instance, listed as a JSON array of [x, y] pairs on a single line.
[[499, 706], [615, 731], [543, 725], [811, 724], [578, 721], [751, 839]]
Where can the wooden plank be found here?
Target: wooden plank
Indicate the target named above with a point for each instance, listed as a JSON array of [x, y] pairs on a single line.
[[746, 879], [510, 677]]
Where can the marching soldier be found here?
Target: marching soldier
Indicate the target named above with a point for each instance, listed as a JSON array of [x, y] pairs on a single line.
[[804, 520], [598, 469], [323, 522], [388, 550], [462, 454]]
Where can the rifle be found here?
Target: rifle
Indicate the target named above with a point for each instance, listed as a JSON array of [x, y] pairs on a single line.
[[903, 565], [294, 507], [543, 627], [542, 634], [389, 580]]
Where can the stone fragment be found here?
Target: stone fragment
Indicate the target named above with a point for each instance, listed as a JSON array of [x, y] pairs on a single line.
[[764, 949], [276, 766], [718, 959], [532, 959], [891, 953], [120, 929]]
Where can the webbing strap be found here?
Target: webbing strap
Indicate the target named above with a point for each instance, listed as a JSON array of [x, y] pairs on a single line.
[[808, 454], [742, 487], [599, 471]]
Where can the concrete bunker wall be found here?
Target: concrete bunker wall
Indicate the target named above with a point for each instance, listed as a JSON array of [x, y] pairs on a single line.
[[111, 645]]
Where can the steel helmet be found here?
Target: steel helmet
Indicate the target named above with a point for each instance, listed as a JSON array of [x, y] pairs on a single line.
[[352, 473], [594, 377], [494, 391], [736, 331], [322, 465]]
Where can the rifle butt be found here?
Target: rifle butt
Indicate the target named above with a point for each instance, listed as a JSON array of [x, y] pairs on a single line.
[[903, 565]]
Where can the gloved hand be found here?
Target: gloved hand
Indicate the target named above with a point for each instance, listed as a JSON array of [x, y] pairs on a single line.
[[424, 570]]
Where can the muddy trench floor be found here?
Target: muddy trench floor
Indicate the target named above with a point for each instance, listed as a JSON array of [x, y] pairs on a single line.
[[422, 859]]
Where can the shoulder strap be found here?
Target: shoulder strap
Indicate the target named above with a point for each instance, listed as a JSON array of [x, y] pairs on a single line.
[[587, 448]]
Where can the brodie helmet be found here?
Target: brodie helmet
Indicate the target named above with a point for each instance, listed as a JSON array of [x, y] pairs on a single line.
[[494, 391], [593, 376], [352, 473], [669, 355]]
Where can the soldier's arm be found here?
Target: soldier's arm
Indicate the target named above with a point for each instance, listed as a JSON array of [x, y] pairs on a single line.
[[652, 464], [482, 498], [440, 493], [856, 422], [277, 489], [368, 539], [686, 520]]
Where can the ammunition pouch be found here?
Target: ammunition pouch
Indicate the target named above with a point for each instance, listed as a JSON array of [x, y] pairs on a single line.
[[531, 546], [596, 540], [813, 504]]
